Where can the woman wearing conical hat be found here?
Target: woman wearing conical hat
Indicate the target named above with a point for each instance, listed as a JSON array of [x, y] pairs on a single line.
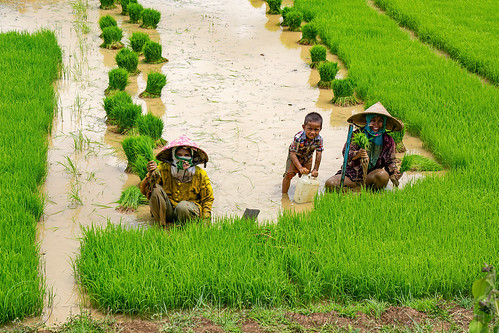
[[374, 122], [178, 190]]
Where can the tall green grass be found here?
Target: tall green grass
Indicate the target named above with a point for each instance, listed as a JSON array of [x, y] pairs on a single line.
[[469, 33], [29, 65]]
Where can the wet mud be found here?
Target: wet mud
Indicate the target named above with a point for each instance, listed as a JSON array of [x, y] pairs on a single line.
[[237, 83]]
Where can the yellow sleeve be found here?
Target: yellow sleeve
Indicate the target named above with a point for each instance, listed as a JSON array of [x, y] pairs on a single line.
[[206, 195]]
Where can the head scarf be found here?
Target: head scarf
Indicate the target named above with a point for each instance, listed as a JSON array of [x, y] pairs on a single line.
[[375, 137], [182, 167]]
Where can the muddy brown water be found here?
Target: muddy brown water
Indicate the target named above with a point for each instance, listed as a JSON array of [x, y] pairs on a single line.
[[237, 83]]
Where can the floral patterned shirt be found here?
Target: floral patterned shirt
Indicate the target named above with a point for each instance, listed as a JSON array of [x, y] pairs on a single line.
[[304, 147]]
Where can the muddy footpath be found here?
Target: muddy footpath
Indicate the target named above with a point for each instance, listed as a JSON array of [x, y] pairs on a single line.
[[237, 83]]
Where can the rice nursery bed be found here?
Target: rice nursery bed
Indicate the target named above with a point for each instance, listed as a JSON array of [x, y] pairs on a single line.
[[427, 239], [29, 66]]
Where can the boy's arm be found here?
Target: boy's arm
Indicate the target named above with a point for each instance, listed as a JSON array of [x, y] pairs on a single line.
[[297, 163], [318, 158]]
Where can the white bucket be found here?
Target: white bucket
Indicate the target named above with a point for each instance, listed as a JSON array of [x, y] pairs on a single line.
[[306, 188]]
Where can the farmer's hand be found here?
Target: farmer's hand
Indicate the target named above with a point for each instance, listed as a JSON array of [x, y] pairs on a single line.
[[396, 174], [315, 173], [151, 166], [362, 153], [303, 170]]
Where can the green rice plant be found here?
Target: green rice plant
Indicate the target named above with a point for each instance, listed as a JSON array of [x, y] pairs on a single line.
[[327, 72], [112, 37], [126, 116], [139, 167], [418, 163], [150, 18], [107, 4], [118, 79], [107, 21], [135, 12], [318, 54], [284, 14], [113, 101], [131, 198], [294, 19], [151, 126], [125, 4], [344, 92], [138, 40], [361, 140], [398, 137], [309, 34], [152, 53], [155, 83], [128, 60], [274, 6], [135, 146]]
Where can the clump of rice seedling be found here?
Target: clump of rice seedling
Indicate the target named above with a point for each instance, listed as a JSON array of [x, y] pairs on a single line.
[[344, 92], [152, 53], [327, 72], [151, 126], [107, 4], [318, 54], [135, 12], [274, 6], [398, 136], [107, 21], [112, 37], [284, 14], [150, 18], [112, 102], [130, 199], [294, 19], [139, 167], [125, 4], [126, 116], [138, 40], [135, 146], [128, 60], [419, 163], [309, 34], [155, 83], [118, 79], [361, 140], [308, 15]]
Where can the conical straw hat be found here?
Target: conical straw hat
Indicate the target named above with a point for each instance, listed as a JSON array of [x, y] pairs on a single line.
[[392, 124], [199, 155]]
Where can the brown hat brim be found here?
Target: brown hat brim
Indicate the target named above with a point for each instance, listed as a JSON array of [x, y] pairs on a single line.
[[392, 124]]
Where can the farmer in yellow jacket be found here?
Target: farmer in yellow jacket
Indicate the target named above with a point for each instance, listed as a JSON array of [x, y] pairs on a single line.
[[178, 190]]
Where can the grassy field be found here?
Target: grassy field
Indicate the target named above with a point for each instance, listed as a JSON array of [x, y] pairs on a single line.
[[469, 33], [27, 71], [428, 239]]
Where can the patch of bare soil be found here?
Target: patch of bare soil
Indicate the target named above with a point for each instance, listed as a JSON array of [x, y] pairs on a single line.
[[137, 326], [206, 325]]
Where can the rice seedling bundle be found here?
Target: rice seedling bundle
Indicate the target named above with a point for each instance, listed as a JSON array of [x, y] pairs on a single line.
[[135, 12], [327, 72], [107, 4], [126, 116], [413, 162], [112, 37], [361, 140], [151, 126], [150, 18], [155, 83], [284, 14], [113, 101], [309, 34], [152, 52], [318, 54], [294, 19], [131, 198], [128, 60], [118, 78], [107, 21], [138, 40], [135, 146], [343, 92], [125, 4], [274, 6]]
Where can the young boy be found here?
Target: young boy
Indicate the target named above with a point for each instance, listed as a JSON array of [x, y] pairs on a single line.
[[302, 150]]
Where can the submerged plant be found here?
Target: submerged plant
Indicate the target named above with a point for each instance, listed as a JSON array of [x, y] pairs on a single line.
[[112, 102], [126, 116], [327, 72], [107, 21], [318, 54], [118, 79], [155, 83], [294, 19], [128, 60], [419, 163], [125, 4], [112, 37], [107, 4], [130, 199], [150, 18], [309, 34], [343, 92], [274, 6], [135, 12], [150, 125], [138, 40], [152, 53]]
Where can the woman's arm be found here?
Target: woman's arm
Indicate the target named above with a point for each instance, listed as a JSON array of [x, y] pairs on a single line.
[[206, 196]]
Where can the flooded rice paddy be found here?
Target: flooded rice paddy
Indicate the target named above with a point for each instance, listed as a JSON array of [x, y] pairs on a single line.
[[237, 83]]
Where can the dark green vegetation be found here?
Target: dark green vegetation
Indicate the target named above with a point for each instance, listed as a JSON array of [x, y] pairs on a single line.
[[318, 54], [111, 103], [107, 21], [343, 92], [155, 83], [152, 53], [468, 33], [126, 116], [150, 125], [284, 14], [131, 198], [107, 4], [309, 34], [135, 12], [419, 163], [112, 37], [138, 151], [294, 19], [327, 72], [138, 40], [124, 5], [28, 68], [128, 60], [274, 6], [118, 79], [150, 18]]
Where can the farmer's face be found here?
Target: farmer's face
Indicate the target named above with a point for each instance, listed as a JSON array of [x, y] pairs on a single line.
[[182, 152], [312, 129], [376, 123]]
